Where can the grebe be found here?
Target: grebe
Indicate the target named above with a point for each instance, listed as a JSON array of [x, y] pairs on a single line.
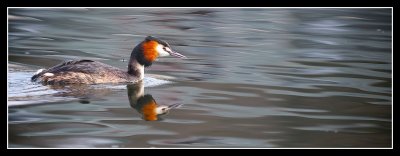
[[93, 72]]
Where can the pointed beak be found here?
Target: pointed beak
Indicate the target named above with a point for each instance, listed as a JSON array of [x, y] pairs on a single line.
[[160, 110], [176, 54]]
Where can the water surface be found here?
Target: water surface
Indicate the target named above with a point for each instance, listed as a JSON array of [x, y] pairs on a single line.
[[257, 78]]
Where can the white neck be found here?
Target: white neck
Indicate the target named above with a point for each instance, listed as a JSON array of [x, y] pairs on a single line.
[[136, 69], [141, 70]]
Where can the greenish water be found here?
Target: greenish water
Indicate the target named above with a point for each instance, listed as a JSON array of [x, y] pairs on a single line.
[[257, 78]]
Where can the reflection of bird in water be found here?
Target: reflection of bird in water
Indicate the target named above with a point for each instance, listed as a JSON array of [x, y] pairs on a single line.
[[85, 93], [145, 104]]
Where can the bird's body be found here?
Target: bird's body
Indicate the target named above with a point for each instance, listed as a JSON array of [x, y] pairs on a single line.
[[94, 72], [75, 72]]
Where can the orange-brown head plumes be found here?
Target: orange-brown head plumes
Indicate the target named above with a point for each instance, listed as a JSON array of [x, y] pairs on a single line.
[[147, 106], [149, 111], [150, 49]]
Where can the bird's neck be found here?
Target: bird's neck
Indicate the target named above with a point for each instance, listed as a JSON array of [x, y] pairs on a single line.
[[135, 68]]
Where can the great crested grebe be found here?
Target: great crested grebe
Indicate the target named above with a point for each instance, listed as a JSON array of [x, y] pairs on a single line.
[[93, 72]]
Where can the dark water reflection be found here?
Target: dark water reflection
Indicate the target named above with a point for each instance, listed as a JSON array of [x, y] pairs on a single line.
[[268, 77]]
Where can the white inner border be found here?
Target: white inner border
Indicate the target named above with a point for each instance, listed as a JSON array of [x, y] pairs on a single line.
[[209, 8]]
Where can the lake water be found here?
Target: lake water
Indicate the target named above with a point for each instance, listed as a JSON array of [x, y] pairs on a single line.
[[254, 78]]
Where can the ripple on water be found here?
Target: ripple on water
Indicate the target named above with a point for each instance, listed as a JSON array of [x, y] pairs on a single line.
[[215, 142], [21, 91]]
